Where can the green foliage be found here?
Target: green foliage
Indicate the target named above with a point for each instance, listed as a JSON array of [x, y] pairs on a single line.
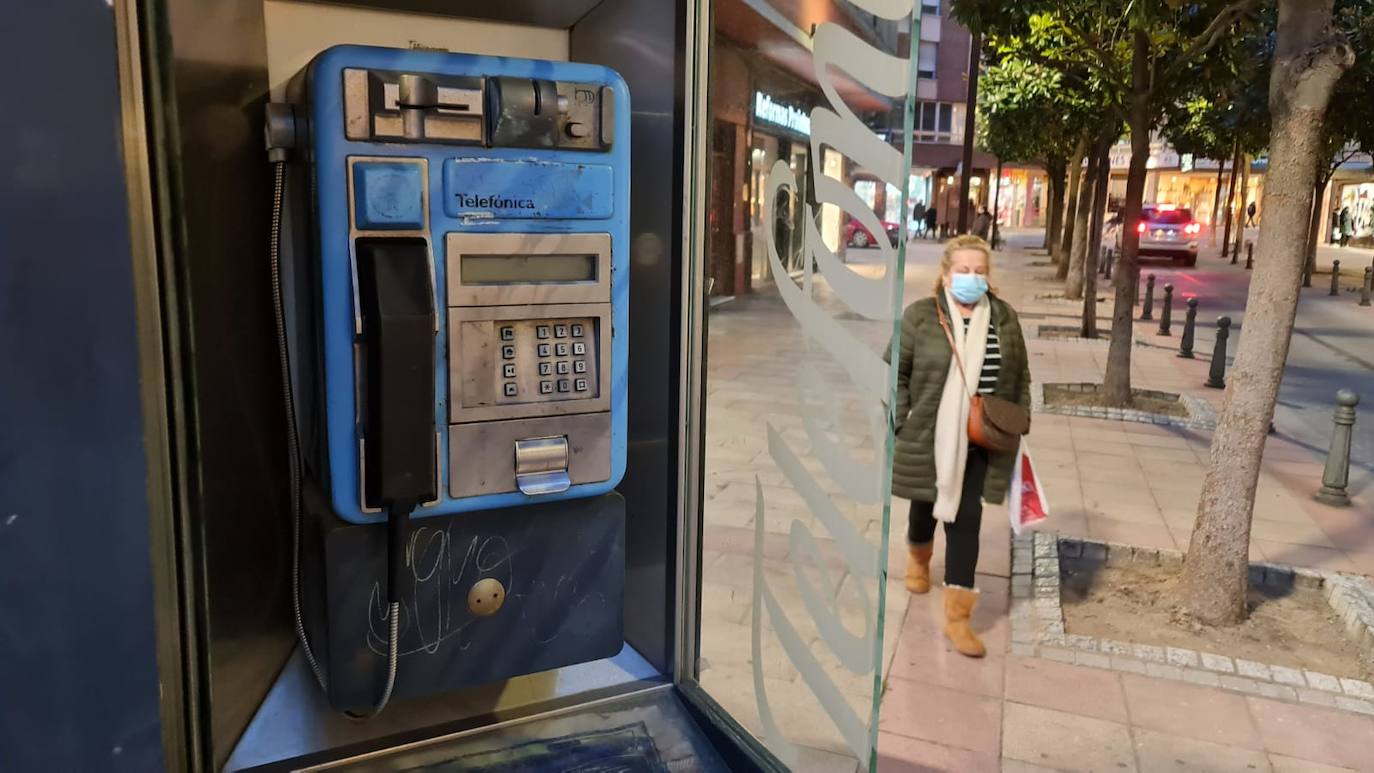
[[1028, 113]]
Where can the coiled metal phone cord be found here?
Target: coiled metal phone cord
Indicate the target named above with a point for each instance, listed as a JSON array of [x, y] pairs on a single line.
[[294, 466]]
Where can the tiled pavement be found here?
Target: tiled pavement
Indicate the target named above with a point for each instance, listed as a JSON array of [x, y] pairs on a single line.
[[1121, 482]]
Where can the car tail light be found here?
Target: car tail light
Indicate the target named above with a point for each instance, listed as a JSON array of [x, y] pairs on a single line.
[[1140, 228], [1193, 228]]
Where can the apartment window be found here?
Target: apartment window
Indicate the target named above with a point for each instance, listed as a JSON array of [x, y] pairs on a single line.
[[925, 61], [939, 122], [931, 7]]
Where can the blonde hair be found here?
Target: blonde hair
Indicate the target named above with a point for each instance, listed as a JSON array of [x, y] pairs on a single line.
[[964, 242]]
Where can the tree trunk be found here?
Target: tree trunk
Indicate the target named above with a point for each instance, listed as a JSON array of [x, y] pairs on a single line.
[[1216, 201], [1082, 233], [1242, 204], [1309, 57], [1099, 211], [1054, 169], [966, 179], [1071, 206], [1318, 221], [1230, 200], [1116, 386], [994, 231]]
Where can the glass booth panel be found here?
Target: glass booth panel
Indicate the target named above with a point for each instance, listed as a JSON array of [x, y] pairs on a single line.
[[795, 393]]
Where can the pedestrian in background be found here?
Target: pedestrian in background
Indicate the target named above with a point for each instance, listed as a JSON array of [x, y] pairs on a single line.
[[932, 217], [1347, 226], [982, 223], [1250, 215], [946, 477], [918, 217]]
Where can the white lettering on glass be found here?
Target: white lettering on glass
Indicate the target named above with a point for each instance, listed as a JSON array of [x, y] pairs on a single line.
[[863, 479]]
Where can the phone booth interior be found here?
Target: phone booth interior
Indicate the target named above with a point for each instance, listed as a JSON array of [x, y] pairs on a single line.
[[461, 503]]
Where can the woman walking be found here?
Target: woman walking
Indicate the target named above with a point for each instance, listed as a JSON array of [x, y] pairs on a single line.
[[961, 342]]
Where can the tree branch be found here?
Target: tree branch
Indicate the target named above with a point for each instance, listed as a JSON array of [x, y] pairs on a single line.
[[1209, 37]]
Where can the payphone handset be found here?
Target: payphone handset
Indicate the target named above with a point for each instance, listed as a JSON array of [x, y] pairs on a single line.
[[471, 233]]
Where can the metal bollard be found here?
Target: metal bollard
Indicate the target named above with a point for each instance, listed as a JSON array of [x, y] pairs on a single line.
[[1148, 313], [1216, 377], [1335, 278], [1368, 286], [1185, 346], [1167, 314], [1249, 255], [1336, 476]]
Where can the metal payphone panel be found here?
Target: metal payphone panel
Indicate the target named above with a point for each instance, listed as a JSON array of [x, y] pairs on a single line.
[[511, 177]]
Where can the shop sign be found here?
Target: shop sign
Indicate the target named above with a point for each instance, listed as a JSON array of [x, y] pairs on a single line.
[[779, 114]]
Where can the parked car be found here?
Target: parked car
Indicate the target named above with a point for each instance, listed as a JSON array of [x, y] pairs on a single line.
[[855, 235], [1165, 230]]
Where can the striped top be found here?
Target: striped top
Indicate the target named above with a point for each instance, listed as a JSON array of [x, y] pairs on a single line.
[[992, 361]]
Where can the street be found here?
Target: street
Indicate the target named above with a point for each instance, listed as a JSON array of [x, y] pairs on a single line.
[[1332, 347]]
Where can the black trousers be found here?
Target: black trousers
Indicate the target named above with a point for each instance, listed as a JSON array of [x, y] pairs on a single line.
[[961, 534]]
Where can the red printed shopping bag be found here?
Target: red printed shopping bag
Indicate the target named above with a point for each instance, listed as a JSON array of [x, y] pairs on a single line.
[[1027, 507]]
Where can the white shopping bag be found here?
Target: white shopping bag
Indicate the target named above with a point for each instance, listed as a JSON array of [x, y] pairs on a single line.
[[1027, 507]]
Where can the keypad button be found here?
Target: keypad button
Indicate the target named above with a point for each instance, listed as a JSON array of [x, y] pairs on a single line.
[[562, 368], [560, 331], [544, 350], [542, 331], [507, 333], [580, 366], [508, 352], [510, 389], [577, 331], [562, 350], [562, 385], [580, 385], [545, 368], [545, 387], [579, 348], [508, 370]]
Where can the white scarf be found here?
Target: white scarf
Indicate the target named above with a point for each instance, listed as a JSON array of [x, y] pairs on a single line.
[[951, 421]]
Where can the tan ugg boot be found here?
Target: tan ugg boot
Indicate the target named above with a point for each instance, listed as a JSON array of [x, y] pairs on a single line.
[[959, 604], [918, 567]]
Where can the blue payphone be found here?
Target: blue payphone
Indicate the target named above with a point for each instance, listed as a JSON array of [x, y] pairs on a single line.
[[460, 333]]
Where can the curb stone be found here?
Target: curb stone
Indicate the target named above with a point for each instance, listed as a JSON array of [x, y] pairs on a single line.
[[1037, 620]]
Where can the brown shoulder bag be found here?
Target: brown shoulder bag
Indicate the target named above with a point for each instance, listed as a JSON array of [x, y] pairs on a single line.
[[993, 423]]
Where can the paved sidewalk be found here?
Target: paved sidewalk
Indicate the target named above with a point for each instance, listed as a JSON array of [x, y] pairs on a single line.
[[1117, 481]]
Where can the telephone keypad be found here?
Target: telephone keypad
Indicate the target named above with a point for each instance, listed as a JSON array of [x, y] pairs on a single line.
[[534, 350]]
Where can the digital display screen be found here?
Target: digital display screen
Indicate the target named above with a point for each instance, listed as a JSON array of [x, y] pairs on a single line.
[[527, 269]]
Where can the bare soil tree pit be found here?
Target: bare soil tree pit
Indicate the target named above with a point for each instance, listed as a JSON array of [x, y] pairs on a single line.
[[1293, 627], [1090, 396]]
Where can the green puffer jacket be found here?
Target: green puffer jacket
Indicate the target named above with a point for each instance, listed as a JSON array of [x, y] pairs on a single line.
[[925, 356]]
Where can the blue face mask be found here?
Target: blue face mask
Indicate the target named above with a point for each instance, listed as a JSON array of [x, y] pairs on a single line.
[[968, 288]]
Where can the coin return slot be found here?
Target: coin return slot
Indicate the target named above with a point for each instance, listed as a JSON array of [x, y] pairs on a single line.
[[541, 465]]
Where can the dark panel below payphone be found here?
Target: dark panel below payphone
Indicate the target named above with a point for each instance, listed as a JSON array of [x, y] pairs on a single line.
[[486, 596]]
